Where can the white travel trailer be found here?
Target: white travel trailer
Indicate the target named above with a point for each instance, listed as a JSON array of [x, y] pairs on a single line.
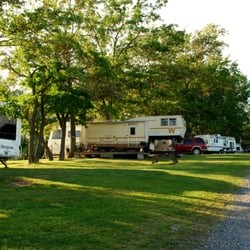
[[10, 139], [54, 142], [219, 144], [130, 135], [230, 144]]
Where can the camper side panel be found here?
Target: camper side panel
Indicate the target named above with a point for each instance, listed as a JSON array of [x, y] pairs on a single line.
[[115, 135]]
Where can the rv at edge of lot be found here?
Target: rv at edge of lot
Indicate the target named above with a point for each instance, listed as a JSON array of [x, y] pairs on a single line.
[[217, 143]]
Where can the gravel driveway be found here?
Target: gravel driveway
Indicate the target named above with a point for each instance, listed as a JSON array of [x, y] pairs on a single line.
[[234, 233]]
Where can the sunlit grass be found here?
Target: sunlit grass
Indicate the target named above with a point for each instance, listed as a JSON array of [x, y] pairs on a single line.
[[3, 215], [116, 203]]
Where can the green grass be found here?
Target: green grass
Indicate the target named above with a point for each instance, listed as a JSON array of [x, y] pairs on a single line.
[[114, 204]]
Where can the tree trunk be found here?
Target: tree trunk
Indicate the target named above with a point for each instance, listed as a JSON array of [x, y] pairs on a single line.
[[42, 144], [48, 152], [72, 137], [63, 122], [32, 133], [31, 146]]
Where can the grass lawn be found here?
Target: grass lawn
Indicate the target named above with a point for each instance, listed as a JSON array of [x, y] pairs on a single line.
[[114, 204]]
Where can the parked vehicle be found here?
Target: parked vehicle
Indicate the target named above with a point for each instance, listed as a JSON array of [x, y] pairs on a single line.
[[10, 139], [194, 145], [131, 135], [217, 143]]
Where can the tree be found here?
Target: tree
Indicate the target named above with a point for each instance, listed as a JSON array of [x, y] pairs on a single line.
[[155, 72], [70, 83], [114, 55], [114, 29], [38, 59], [213, 92], [67, 103]]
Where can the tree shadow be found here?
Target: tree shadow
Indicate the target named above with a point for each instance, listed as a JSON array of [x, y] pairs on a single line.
[[87, 204]]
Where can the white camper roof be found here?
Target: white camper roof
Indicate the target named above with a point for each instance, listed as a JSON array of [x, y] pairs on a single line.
[[152, 118]]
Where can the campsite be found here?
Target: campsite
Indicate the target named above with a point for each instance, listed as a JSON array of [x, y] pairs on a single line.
[[117, 203], [111, 78]]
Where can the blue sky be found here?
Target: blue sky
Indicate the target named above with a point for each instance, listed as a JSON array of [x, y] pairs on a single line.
[[232, 15]]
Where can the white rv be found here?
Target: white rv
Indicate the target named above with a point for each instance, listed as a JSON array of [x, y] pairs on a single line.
[[10, 138], [54, 142], [132, 134], [219, 144]]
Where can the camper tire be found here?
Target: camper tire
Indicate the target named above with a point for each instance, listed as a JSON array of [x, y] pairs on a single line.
[[196, 151]]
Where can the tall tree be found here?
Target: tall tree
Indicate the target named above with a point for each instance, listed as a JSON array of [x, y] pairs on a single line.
[[113, 29], [42, 53], [212, 92], [154, 75]]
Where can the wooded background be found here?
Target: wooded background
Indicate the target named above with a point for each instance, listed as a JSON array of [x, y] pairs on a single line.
[[115, 59]]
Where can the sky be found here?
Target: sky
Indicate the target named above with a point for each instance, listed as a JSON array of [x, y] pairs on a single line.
[[232, 15]]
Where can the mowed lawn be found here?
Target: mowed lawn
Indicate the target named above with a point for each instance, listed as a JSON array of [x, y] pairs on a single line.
[[117, 204]]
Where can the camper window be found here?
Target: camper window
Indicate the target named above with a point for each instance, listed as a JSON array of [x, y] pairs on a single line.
[[77, 133], [168, 121], [7, 128], [164, 122], [132, 130], [172, 121], [57, 134]]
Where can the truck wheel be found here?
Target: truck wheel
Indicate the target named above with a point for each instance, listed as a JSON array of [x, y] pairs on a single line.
[[196, 151]]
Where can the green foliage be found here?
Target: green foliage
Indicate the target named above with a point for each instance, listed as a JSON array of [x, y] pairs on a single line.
[[4, 91], [72, 101], [9, 105], [111, 59], [11, 109], [214, 95], [245, 138]]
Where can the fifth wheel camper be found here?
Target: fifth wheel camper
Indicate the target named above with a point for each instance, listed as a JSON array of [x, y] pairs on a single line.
[[130, 135]]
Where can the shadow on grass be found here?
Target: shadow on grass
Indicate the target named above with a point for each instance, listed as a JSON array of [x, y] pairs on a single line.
[[158, 180], [105, 204]]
